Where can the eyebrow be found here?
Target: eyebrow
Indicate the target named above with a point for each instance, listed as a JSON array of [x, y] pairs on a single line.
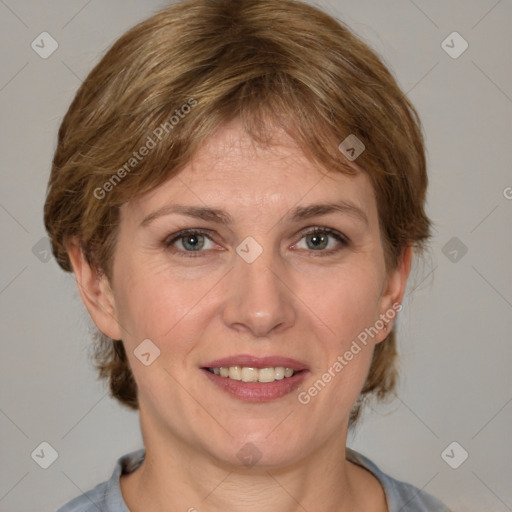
[[295, 215]]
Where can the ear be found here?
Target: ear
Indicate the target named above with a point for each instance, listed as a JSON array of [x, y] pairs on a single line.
[[393, 292], [95, 291]]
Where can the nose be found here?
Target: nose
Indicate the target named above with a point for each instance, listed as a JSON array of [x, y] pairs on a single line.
[[259, 298]]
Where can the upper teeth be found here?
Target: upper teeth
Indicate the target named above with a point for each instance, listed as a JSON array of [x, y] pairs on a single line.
[[248, 374]]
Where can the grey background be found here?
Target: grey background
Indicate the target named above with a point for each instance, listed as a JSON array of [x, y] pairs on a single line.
[[455, 328]]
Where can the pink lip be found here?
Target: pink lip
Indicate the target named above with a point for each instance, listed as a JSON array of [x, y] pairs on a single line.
[[257, 362], [256, 391]]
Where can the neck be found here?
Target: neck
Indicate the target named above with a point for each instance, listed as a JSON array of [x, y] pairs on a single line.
[[178, 476]]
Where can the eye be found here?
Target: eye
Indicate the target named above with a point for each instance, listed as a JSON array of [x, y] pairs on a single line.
[[319, 239], [324, 241], [189, 241]]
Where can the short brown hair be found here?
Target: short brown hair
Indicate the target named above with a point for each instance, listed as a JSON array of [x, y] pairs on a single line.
[[265, 62]]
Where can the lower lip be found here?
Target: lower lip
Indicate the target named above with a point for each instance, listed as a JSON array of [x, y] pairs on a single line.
[[257, 391]]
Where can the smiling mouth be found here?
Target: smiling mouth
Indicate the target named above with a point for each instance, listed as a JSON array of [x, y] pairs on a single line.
[[250, 374]]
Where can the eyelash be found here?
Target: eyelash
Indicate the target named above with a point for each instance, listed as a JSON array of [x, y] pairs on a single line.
[[171, 239]]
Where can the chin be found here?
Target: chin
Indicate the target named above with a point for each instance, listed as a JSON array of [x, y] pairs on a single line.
[[260, 450]]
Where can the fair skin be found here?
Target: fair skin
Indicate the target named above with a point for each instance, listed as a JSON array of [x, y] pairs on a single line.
[[290, 301]]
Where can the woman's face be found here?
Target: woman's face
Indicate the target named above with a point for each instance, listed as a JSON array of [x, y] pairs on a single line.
[[250, 280]]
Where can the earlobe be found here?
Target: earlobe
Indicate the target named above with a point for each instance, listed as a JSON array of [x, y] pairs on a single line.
[[393, 292], [95, 290]]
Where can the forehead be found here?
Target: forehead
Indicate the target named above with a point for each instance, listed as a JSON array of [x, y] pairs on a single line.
[[232, 150], [233, 171]]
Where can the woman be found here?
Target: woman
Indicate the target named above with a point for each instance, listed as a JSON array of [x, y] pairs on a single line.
[[239, 189]]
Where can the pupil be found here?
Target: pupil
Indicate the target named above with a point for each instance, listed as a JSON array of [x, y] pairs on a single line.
[[318, 240], [192, 241]]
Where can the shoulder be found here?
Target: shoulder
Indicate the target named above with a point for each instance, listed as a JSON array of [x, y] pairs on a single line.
[[91, 501], [106, 496], [401, 496]]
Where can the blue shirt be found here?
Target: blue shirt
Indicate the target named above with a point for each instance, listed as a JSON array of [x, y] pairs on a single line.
[[107, 497]]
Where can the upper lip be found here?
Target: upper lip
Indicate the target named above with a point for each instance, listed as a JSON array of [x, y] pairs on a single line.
[[257, 362]]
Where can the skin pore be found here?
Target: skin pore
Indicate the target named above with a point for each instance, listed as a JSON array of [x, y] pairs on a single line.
[[306, 296]]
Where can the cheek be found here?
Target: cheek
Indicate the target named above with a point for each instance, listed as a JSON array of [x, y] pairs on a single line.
[[347, 302], [154, 303]]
